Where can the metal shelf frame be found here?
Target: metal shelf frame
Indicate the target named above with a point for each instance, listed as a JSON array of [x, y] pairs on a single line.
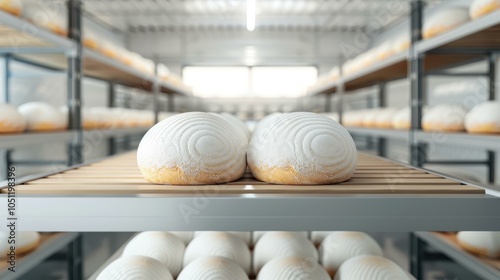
[[456, 47], [420, 241]]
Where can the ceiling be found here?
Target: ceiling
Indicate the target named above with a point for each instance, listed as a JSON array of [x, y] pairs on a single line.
[[161, 15]]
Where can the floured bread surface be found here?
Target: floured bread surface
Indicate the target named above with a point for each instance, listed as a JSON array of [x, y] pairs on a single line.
[[445, 20], [292, 268], [212, 268], [483, 243], [484, 118], [11, 120], [302, 148], [191, 148], [371, 268], [444, 117], [26, 241], [135, 267]]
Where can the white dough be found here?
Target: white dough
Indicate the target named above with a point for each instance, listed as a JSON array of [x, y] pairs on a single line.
[[484, 117], [339, 246], [444, 20], [212, 268], [292, 268], [185, 236], [479, 8], [256, 235], [25, 241], [444, 117], [246, 236], [371, 268], [161, 246], [220, 244], [42, 116], [486, 243], [10, 119], [134, 268], [276, 244]]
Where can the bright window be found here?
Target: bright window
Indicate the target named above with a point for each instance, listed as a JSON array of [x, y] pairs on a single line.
[[250, 81]]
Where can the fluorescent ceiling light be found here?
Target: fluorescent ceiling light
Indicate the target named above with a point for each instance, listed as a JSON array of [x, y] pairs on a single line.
[[251, 15]]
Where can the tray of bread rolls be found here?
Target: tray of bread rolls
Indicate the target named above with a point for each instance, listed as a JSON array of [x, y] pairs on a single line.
[[238, 255], [292, 153]]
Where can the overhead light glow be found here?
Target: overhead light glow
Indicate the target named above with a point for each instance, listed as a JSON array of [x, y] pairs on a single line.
[[251, 15]]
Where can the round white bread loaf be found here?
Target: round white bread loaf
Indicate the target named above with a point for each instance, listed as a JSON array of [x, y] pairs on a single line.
[[191, 148], [292, 268], [161, 246], [340, 246], [370, 117], [135, 267], [302, 148], [444, 117], [185, 236], [213, 268], [479, 8], [276, 244], [14, 7], [318, 236], [483, 243], [371, 268], [246, 236], [11, 121], [41, 116], [219, 244], [484, 118], [26, 241], [237, 123], [444, 20], [384, 118]]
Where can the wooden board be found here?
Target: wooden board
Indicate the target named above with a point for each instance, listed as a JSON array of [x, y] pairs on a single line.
[[120, 175], [451, 239], [44, 239]]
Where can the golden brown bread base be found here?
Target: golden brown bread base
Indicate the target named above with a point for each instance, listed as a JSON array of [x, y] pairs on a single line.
[[175, 176], [8, 128], [484, 128], [289, 176], [486, 9], [475, 250], [428, 126]]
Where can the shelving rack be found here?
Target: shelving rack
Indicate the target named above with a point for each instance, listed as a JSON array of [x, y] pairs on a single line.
[[51, 244], [33, 45], [447, 249], [472, 42]]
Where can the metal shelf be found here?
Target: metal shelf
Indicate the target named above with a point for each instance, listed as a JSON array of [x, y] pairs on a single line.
[[171, 88], [49, 246], [479, 34], [330, 87], [33, 138], [382, 133], [469, 261], [488, 142]]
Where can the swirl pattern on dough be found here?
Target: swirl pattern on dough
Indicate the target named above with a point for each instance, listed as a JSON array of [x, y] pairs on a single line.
[[191, 148], [302, 148], [371, 268], [220, 244], [161, 246], [292, 268], [135, 267], [276, 244], [212, 268], [340, 246]]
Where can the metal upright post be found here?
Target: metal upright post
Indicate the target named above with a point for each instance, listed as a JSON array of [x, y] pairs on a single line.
[[7, 73], [415, 72], [170, 102], [492, 73], [156, 94], [75, 259], [328, 102], [340, 90], [74, 81], [111, 104], [416, 256], [382, 141]]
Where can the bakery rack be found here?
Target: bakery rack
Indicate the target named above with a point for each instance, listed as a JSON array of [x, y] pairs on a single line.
[[474, 41], [50, 244], [382, 196], [447, 246]]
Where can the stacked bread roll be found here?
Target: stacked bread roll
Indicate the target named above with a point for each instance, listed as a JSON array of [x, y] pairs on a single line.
[[224, 255], [479, 8], [26, 242], [482, 243], [11, 121], [301, 148], [192, 148], [444, 20], [444, 117], [484, 118], [41, 116], [14, 7]]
